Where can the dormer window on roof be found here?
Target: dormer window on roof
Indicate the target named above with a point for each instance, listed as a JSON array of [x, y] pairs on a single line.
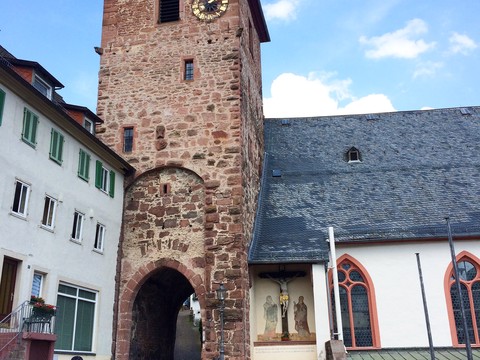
[[42, 86], [89, 125], [353, 155]]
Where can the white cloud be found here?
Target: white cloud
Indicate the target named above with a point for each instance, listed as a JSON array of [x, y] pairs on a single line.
[[316, 95], [461, 44], [281, 9], [401, 43], [372, 103], [427, 69]]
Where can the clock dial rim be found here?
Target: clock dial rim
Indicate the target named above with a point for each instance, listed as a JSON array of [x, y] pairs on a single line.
[[200, 10]]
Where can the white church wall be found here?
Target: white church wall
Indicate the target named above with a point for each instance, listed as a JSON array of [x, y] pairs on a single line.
[[322, 322], [394, 272]]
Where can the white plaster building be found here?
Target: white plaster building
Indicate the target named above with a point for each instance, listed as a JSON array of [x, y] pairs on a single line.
[[61, 201]]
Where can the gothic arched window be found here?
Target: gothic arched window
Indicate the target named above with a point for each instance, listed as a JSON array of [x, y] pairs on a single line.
[[357, 302], [469, 277]]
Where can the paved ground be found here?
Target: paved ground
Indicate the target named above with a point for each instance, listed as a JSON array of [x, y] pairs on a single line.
[[187, 343]]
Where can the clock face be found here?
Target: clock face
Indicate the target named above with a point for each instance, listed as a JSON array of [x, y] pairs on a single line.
[[209, 10]]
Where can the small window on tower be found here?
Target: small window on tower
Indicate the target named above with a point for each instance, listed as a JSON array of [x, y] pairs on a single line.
[[128, 139], [188, 73], [169, 11]]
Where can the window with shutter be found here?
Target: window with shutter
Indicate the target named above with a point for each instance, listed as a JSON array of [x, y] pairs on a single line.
[[105, 179], [29, 131], [83, 165], [56, 146]]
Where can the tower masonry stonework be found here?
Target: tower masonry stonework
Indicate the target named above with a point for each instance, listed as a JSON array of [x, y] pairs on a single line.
[[181, 99]]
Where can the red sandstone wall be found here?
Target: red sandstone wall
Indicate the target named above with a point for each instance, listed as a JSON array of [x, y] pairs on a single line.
[[211, 125]]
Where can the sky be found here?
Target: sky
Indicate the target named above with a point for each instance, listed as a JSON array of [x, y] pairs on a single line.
[[325, 57]]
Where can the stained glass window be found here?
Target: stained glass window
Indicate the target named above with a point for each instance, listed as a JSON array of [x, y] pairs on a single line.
[[355, 305], [468, 273]]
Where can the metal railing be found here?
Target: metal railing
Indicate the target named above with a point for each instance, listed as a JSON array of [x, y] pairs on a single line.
[[25, 318]]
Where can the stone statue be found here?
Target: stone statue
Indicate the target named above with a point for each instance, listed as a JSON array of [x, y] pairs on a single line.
[[300, 316], [270, 314]]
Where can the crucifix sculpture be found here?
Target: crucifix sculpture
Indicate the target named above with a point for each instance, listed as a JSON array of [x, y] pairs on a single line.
[[283, 277]]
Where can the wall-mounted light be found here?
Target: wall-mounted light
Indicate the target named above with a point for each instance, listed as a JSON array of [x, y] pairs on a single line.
[[221, 295]]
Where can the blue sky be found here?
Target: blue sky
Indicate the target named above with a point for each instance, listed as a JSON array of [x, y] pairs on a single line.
[[326, 56]]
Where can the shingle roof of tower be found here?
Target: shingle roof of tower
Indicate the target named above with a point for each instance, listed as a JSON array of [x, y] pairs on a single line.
[[416, 168]]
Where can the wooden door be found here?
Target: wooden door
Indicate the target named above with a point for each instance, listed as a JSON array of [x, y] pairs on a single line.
[[7, 286]]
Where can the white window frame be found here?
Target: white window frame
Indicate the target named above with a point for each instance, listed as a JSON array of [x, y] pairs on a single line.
[[99, 237], [89, 125], [22, 210], [48, 88], [105, 180], [77, 226], [78, 298], [41, 276], [51, 210]]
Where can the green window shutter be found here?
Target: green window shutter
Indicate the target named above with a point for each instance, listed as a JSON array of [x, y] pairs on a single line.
[[112, 184], [60, 147], [98, 174], [87, 166], [56, 146], [33, 137], [84, 165], [2, 104]]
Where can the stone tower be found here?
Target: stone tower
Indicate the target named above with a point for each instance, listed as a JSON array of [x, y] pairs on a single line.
[[180, 92]]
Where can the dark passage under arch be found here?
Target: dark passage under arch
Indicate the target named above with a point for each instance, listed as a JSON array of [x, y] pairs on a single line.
[[154, 315]]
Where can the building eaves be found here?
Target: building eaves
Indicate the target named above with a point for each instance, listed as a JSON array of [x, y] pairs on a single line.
[[57, 114], [38, 68], [259, 20], [92, 116]]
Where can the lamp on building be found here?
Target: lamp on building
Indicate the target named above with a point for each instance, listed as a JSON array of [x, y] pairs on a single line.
[[221, 294]]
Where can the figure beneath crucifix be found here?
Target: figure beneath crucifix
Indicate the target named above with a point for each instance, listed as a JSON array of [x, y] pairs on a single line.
[[270, 314], [300, 316]]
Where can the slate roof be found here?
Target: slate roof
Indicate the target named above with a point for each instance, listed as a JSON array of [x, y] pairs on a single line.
[[417, 167]]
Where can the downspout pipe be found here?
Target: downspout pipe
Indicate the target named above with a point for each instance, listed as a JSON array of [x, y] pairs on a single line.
[[336, 290]]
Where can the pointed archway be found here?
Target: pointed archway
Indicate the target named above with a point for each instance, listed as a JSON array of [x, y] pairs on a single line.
[[154, 315]]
